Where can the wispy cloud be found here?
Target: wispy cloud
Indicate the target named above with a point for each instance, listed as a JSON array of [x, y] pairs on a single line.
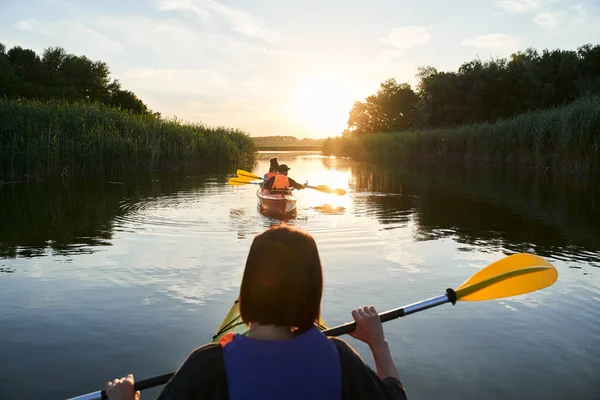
[[277, 52], [175, 5], [519, 6], [580, 11], [175, 81], [549, 20], [26, 25], [493, 41], [238, 20], [73, 30], [408, 37]]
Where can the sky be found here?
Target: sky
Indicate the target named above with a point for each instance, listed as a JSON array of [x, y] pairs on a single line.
[[279, 67]]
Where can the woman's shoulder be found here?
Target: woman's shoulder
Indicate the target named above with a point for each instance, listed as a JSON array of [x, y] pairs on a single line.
[[208, 352], [360, 381], [202, 375], [344, 348]]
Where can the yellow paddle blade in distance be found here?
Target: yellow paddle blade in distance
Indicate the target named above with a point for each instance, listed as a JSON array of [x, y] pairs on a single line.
[[327, 189], [245, 174], [511, 276], [238, 181], [323, 188], [245, 178]]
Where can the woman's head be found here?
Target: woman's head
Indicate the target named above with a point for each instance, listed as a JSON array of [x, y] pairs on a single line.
[[274, 164], [283, 280]]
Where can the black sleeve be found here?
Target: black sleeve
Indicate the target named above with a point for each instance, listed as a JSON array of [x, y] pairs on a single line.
[[359, 381], [295, 184], [269, 183], [201, 376]]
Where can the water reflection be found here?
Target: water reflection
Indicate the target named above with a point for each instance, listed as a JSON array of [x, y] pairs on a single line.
[[76, 217], [511, 210], [488, 209], [173, 248]]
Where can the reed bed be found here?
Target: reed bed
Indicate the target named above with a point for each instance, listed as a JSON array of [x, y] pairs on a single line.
[[43, 139], [561, 138]]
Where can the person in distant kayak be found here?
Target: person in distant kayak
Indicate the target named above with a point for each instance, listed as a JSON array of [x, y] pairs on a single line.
[[285, 355], [281, 183], [273, 168]]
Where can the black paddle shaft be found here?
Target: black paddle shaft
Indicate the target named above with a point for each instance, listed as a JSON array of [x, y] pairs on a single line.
[[448, 297]]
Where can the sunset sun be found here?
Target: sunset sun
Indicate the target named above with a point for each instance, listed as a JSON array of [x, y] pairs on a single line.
[[322, 103]]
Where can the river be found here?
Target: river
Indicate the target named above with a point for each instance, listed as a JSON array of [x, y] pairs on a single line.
[[104, 277]]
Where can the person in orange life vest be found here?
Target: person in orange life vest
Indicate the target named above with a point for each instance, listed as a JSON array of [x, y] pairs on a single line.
[[281, 182], [284, 355], [273, 168]]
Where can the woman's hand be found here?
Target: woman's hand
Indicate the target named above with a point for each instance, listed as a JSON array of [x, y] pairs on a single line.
[[122, 389], [368, 326], [369, 330]]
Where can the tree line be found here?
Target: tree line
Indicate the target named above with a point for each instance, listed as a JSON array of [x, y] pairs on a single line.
[[479, 91], [59, 75], [285, 140]]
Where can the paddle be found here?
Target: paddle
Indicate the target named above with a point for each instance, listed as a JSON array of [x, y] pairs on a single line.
[[245, 174], [328, 190], [241, 181], [510, 276], [249, 176]]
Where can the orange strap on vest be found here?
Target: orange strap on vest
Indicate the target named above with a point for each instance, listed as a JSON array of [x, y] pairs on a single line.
[[271, 174], [226, 339], [281, 182]]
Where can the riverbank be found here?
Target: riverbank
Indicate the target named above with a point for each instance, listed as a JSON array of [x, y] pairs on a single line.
[[46, 139], [563, 138]]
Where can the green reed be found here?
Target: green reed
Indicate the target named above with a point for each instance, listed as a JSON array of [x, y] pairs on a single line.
[[565, 138], [42, 139]]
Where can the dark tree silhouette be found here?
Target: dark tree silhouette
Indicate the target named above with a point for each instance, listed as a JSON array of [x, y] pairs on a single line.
[[480, 91], [59, 75]]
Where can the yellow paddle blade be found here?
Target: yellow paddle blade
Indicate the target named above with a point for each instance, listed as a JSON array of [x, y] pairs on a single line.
[[245, 174], [327, 189], [322, 325], [511, 276], [238, 181], [245, 178]]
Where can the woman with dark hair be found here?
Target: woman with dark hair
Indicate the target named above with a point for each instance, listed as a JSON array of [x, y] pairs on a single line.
[[285, 355], [273, 168]]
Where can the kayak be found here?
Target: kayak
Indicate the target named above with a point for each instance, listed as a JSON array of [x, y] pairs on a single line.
[[277, 203], [233, 323]]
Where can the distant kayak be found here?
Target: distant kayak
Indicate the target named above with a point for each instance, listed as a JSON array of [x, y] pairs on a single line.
[[276, 203]]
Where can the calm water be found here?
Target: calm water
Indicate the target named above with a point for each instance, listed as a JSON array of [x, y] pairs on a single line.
[[102, 278]]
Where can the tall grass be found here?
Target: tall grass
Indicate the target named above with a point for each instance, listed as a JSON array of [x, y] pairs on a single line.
[[566, 138], [41, 139]]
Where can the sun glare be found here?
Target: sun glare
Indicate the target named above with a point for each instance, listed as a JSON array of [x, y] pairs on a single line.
[[334, 179], [322, 103]]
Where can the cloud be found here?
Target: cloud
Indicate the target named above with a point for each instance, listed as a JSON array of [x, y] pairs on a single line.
[[493, 41], [238, 20], [277, 52], [519, 6], [27, 25], [71, 32], [174, 5], [182, 82], [408, 37], [581, 12], [549, 20]]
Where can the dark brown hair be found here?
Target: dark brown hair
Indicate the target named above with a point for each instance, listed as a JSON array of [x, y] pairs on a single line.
[[283, 280], [274, 166]]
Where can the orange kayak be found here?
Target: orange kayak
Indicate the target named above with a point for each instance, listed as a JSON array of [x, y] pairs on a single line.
[[276, 203]]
